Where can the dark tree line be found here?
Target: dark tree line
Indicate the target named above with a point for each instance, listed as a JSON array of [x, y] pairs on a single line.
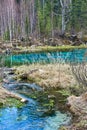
[[41, 18]]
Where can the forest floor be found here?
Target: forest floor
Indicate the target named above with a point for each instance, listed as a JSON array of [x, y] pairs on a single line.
[[35, 45]]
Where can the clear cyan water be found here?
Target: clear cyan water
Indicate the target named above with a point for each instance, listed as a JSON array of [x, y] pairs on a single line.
[[30, 116], [27, 118], [47, 57]]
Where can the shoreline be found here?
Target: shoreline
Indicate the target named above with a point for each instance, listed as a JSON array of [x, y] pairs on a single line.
[[38, 49]]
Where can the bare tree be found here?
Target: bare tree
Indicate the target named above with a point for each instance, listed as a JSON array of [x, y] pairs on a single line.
[[79, 69], [52, 19], [65, 8]]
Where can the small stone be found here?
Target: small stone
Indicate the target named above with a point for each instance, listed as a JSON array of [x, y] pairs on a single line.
[[24, 100], [51, 97]]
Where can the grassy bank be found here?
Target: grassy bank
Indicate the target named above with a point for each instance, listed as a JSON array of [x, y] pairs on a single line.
[[34, 48], [9, 99], [47, 76]]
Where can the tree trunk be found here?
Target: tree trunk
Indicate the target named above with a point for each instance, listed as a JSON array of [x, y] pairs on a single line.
[[52, 29], [63, 21], [63, 16]]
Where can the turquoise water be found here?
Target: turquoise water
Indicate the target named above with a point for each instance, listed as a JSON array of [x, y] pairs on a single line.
[[27, 118], [47, 57], [31, 115]]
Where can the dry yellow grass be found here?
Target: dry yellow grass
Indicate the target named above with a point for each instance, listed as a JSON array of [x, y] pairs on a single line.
[[47, 76]]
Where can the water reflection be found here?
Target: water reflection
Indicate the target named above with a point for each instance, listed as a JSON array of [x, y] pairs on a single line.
[[47, 57]]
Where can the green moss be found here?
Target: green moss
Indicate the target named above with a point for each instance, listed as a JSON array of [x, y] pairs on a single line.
[[11, 102], [61, 97], [64, 93], [60, 48], [42, 98]]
